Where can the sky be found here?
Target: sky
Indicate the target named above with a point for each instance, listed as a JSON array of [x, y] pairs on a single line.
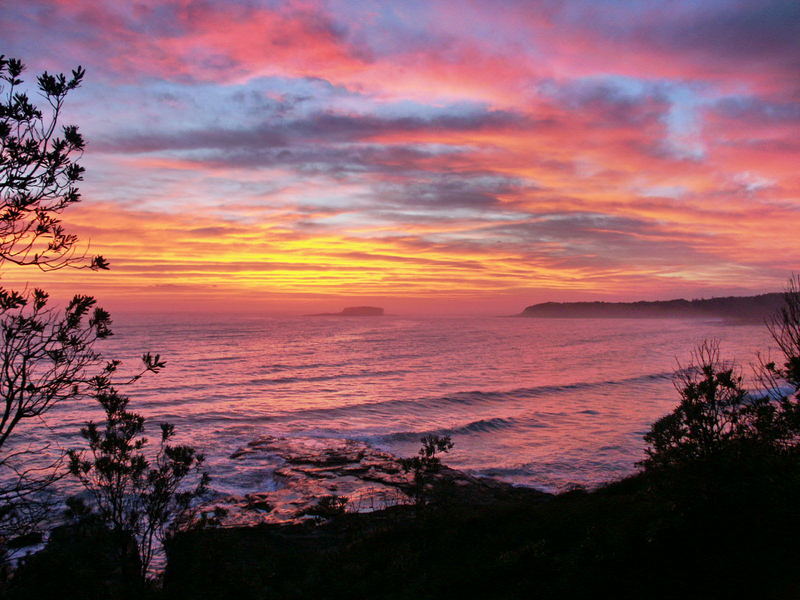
[[425, 156]]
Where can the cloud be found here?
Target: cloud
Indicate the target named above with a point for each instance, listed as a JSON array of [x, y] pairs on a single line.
[[611, 102], [755, 111], [742, 30], [450, 146], [444, 192], [318, 127]]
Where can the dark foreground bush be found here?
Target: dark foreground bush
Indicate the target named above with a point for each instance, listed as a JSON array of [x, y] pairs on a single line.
[[80, 562], [137, 495], [650, 536], [628, 540]]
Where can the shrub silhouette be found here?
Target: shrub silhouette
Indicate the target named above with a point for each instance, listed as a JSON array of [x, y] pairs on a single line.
[[135, 495], [426, 465], [328, 507], [717, 415], [782, 381], [709, 416]]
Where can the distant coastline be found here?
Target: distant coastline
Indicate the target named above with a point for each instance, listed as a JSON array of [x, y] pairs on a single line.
[[742, 308], [353, 311]]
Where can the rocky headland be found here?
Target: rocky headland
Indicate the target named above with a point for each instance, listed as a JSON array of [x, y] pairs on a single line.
[[744, 308]]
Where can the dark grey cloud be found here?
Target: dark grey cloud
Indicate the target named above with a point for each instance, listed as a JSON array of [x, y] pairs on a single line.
[[596, 238], [754, 110], [316, 128], [338, 127], [607, 103], [719, 29], [337, 161], [474, 190], [744, 29], [217, 231]]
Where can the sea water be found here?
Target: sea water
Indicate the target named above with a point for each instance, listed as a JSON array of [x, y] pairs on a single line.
[[549, 403]]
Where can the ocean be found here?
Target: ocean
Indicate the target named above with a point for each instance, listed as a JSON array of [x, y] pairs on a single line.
[[548, 403]]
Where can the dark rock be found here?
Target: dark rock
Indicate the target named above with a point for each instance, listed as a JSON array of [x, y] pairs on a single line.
[[353, 311], [308, 469]]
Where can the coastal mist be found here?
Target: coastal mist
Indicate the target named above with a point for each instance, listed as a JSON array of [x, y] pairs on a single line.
[[548, 403]]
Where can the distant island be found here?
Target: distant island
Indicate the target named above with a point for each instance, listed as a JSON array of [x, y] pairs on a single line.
[[354, 311], [747, 308]]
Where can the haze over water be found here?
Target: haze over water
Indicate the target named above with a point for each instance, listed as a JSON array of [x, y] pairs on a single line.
[[540, 402]]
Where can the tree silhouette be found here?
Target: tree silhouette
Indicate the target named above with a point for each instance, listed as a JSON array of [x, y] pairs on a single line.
[[709, 416], [46, 354], [426, 465], [38, 172], [44, 351], [785, 330], [717, 414], [135, 494]]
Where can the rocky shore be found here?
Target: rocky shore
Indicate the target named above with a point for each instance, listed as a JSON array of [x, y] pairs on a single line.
[[365, 479]]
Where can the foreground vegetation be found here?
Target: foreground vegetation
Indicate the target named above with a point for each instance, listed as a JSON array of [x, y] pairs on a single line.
[[645, 537], [719, 529], [49, 356]]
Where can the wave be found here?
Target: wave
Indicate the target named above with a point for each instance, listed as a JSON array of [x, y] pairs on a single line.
[[216, 359], [203, 408], [280, 380], [279, 367], [197, 386], [480, 397], [466, 399], [475, 427]]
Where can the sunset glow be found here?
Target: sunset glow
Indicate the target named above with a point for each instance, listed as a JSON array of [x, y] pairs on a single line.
[[425, 156]]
